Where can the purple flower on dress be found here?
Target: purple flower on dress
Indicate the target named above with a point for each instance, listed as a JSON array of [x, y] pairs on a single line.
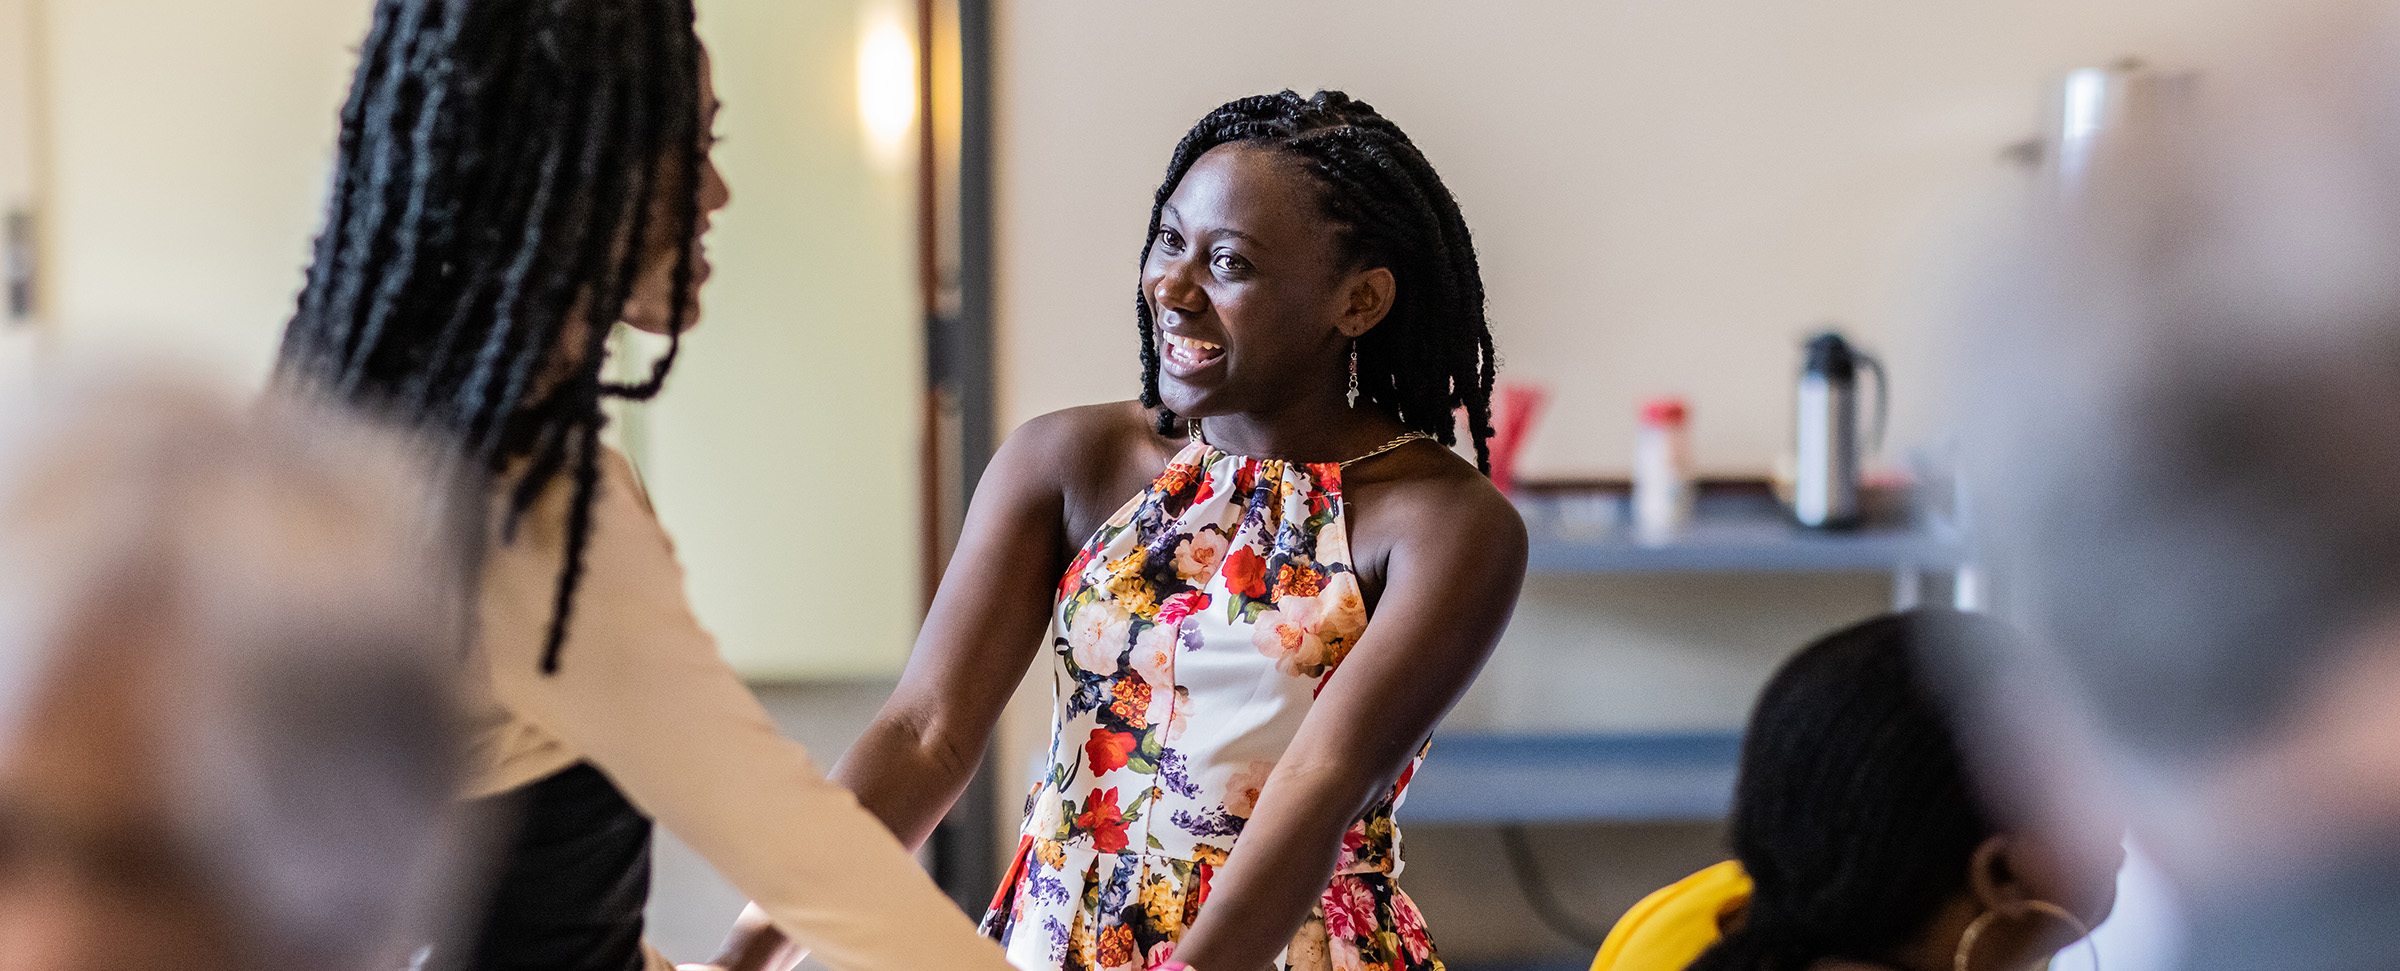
[[1175, 772], [1058, 940], [1209, 822], [1189, 637], [1047, 889]]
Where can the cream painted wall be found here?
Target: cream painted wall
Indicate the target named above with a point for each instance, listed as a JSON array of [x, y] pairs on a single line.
[[1666, 195], [783, 455], [191, 149], [16, 103], [19, 181]]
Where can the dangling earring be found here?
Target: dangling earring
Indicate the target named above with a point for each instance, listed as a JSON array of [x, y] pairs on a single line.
[[1966, 941], [1354, 372]]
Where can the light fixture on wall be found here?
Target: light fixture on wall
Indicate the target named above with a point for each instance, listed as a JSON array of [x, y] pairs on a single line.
[[887, 85]]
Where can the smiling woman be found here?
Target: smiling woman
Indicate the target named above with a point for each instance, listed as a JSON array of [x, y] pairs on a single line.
[[1310, 309]]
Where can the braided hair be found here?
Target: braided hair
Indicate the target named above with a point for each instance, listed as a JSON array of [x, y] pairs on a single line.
[[1854, 814], [502, 167], [1432, 355]]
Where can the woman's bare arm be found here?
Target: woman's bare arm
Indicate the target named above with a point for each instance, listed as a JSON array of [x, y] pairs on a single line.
[[1450, 586]]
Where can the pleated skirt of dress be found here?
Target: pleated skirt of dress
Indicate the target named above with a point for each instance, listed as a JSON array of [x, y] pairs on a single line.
[[1070, 908]]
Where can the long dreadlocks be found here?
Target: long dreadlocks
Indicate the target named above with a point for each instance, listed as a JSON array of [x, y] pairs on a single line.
[[502, 165], [1432, 355]]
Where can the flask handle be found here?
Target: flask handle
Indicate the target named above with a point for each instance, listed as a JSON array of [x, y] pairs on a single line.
[[1883, 398]]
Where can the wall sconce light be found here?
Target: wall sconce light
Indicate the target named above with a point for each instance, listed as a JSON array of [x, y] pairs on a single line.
[[887, 85]]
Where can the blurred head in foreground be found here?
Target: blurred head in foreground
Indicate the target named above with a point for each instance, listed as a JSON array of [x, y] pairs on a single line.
[[1868, 837], [2190, 457], [223, 710]]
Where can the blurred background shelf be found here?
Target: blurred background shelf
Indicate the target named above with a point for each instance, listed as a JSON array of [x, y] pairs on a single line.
[[1531, 779], [1738, 527]]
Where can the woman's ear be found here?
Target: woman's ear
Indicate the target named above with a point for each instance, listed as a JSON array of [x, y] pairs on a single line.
[[1370, 299], [1994, 877]]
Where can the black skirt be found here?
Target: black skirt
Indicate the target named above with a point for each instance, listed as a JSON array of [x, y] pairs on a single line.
[[568, 894]]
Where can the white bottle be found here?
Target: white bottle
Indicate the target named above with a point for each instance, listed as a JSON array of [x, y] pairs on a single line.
[[1662, 473]]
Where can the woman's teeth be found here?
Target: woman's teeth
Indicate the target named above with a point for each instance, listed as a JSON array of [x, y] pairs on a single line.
[[1192, 352]]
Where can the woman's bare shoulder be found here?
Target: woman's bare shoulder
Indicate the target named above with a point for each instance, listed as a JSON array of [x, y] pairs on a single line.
[[1080, 427], [1089, 449], [1436, 497]]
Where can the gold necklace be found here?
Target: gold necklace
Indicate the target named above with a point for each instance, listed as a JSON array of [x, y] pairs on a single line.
[[1405, 437], [1390, 445]]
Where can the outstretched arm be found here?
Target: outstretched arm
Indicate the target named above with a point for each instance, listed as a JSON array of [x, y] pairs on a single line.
[[645, 696], [1450, 587], [984, 630]]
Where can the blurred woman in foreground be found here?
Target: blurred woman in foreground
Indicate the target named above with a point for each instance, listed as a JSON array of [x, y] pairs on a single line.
[[1861, 837], [227, 639]]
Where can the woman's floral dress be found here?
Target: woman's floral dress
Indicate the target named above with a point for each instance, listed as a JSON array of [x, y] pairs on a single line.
[[1191, 636]]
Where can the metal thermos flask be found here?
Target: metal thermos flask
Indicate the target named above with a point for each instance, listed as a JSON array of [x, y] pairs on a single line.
[[1832, 452]]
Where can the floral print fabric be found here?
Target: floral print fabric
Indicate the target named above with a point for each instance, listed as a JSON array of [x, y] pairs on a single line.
[[1190, 638]]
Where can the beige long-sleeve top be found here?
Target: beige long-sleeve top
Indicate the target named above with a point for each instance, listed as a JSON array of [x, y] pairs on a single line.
[[643, 695]]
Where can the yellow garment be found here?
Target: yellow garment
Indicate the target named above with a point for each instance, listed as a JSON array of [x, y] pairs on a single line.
[[1670, 928]]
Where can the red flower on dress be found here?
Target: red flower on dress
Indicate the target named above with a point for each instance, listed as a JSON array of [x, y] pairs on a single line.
[[1349, 909], [1074, 574], [1246, 573], [1182, 605], [1105, 822], [1196, 892], [1329, 478], [1411, 925], [1108, 750]]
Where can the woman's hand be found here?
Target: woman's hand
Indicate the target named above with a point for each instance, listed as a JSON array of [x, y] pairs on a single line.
[[753, 945]]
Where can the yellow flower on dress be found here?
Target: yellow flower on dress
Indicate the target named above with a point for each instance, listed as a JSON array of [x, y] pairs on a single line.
[[1299, 580], [1117, 949], [1052, 853], [1141, 602], [1125, 573], [1163, 901], [1132, 702], [1079, 944]]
